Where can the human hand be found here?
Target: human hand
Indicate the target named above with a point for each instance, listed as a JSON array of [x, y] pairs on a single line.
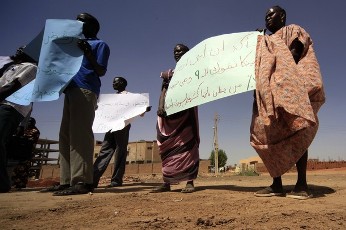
[[167, 74], [84, 46], [161, 113], [108, 134], [261, 30]]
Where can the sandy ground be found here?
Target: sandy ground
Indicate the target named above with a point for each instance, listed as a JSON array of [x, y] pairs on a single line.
[[222, 202]]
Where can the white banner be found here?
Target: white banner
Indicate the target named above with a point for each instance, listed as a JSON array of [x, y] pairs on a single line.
[[115, 111]]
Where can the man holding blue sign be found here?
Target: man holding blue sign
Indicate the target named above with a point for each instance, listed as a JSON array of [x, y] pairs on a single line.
[[76, 139]]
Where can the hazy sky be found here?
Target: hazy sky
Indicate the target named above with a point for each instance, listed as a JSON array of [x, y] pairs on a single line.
[[141, 35]]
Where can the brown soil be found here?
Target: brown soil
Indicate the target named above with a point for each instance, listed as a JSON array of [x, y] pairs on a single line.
[[222, 202]]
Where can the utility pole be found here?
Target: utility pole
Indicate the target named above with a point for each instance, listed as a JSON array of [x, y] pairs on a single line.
[[152, 157], [216, 145]]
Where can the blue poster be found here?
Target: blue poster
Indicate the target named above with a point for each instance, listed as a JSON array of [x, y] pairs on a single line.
[[59, 58]]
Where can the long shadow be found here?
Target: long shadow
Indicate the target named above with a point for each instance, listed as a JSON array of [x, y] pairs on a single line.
[[134, 187], [316, 190]]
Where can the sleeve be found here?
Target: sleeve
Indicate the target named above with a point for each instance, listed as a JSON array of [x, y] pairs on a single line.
[[26, 73], [103, 53]]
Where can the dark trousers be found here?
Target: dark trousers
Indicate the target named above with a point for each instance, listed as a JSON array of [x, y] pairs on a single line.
[[9, 121], [113, 143]]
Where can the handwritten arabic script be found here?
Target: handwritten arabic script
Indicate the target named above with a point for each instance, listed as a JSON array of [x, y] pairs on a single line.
[[59, 60], [217, 67], [115, 111]]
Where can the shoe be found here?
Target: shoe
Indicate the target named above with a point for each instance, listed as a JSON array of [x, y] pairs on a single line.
[[55, 188], [161, 188], [301, 195], [114, 184], [269, 192], [77, 189], [188, 188]]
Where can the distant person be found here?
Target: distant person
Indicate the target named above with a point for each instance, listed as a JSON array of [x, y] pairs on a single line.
[[30, 134], [76, 138], [289, 93], [177, 139], [14, 75], [114, 143]]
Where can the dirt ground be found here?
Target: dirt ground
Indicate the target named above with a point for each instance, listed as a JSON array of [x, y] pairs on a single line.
[[222, 202]]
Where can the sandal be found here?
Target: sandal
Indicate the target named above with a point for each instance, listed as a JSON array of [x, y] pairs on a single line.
[[301, 195], [161, 188], [269, 192], [188, 188]]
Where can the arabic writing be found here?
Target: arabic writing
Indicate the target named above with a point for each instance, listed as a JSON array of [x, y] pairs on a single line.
[[60, 58], [116, 109], [61, 38], [208, 48], [217, 67], [209, 94]]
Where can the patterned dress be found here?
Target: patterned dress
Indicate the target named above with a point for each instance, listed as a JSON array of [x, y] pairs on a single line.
[[178, 142], [288, 97]]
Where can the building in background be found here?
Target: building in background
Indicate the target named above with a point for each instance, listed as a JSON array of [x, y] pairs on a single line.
[[137, 152]]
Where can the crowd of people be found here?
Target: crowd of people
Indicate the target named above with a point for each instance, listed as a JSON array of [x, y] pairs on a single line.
[[283, 126]]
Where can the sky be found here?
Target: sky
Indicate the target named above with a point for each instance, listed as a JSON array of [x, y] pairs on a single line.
[[141, 35]]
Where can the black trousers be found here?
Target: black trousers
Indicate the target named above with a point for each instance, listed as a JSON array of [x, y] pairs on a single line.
[[114, 143], [9, 121]]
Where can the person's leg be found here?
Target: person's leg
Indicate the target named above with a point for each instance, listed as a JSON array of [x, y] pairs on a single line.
[[9, 121], [164, 187], [21, 175], [275, 189], [82, 113], [277, 184], [121, 138], [190, 187], [64, 149], [82, 105], [301, 189], [64, 144], [301, 165], [102, 161]]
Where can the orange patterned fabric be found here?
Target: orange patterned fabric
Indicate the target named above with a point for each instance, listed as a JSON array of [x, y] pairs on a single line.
[[288, 97]]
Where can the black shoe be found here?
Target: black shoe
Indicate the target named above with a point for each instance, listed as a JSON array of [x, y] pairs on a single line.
[[56, 188], [114, 184], [162, 188], [77, 189]]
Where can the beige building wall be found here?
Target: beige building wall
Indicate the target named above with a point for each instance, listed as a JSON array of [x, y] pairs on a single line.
[[143, 152], [250, 164], [139, 151]]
